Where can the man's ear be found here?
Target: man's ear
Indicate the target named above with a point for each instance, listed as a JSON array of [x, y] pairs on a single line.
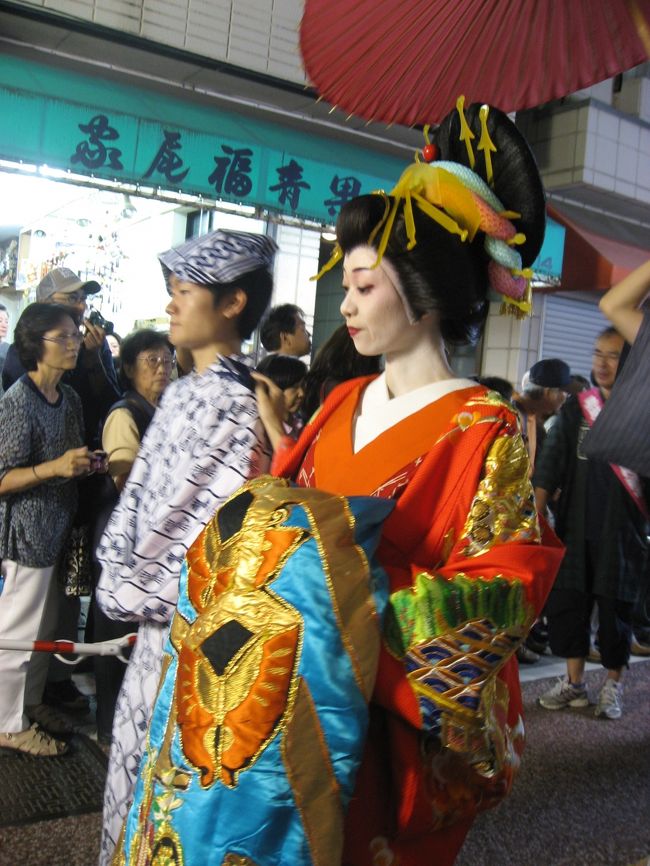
[[234, 303]]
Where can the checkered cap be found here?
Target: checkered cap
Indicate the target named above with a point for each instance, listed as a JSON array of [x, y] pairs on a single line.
[[219, 257], [64, 281]]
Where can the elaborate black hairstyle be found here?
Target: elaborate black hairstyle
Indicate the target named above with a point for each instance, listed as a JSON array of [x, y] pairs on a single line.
[[444, 271]]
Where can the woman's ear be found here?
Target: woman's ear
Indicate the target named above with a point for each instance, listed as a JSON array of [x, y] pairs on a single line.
[[129, 370]]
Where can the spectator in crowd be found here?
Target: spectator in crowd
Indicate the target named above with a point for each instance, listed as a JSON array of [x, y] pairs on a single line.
[[600, 517], [204, 441], [543, 392], [94, 380], [336, 361], [284, 331], [288, 373], [4, 329], [114, 343], [42, 453], [147, 363]]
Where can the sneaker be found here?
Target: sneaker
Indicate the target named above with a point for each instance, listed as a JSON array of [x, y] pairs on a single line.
[[610, 701], [66, 695], [526, 656], [33, 741], [564, 694], [50, 719]]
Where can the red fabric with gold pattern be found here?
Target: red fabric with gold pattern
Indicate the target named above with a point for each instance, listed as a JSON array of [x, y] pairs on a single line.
[[443, 450]]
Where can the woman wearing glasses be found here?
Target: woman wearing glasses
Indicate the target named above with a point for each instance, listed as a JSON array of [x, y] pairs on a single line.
[[41, 456], [147, 362]]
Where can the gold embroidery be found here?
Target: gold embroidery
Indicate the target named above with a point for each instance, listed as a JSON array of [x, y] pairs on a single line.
[[232, 859], [238, 657], [306, 758], [503, 509]]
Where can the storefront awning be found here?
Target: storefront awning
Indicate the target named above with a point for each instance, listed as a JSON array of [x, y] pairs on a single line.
[[599, 249], [109, 131]]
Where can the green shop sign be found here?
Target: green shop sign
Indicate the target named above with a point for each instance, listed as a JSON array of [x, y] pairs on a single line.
[[109, 131]]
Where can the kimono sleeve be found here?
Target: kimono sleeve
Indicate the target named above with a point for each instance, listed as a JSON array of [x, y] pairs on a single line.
[[459, 624], [142, 559]]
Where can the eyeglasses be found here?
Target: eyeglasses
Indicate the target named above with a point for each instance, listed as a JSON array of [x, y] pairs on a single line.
[[69, 298], [607, 356], [65, 339], [155, 361]]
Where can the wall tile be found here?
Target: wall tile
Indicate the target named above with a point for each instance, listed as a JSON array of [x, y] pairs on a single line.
[[606, 151], [495, 363], [605, 181], [629, 133], [608, 125], [498, 330], [622, 187], [626, 163]]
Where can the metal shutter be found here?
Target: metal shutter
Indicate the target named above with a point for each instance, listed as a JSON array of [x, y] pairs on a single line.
[[569, 330]]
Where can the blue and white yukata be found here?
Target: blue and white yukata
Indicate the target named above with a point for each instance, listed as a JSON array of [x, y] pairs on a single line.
[[205, 440]]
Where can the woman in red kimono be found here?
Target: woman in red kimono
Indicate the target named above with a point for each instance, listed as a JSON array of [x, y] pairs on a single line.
[[468, 567]]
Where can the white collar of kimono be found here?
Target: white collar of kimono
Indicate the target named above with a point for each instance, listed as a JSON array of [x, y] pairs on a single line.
[[379, 411]]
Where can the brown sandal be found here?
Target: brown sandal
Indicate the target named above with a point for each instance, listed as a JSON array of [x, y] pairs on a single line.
[[34, 741]]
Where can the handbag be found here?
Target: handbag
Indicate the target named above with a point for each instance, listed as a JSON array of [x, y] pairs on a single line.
[[75, 571]]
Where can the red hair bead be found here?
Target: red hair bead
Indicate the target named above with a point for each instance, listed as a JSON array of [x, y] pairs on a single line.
[[429, 152]]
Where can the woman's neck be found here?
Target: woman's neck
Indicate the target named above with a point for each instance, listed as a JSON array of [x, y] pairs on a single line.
[[47, 380], [422, 364]]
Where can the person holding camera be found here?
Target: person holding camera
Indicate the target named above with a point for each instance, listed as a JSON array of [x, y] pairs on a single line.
[[94, 380], [42, 454]]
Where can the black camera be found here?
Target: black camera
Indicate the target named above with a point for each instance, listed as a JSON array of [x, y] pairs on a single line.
[[96, 318]]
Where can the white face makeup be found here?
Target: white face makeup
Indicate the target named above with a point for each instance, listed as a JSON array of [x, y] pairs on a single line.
[[372, 308]]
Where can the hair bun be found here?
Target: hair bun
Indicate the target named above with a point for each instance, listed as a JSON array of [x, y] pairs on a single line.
[[516, 180]]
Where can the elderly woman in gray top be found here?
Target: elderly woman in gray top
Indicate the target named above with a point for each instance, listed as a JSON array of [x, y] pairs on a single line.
[[41, 455]]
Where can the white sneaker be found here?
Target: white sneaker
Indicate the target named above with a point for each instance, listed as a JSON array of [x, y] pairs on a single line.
[[564, 694], [610, 700]]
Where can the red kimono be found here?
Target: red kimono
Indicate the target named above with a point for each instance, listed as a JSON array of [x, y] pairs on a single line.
[[468, 574]]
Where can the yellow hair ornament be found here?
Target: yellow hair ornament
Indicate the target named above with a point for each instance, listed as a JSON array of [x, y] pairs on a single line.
[[466, 133], [486, 144], [336, 257], [519, 238], [518, 309]]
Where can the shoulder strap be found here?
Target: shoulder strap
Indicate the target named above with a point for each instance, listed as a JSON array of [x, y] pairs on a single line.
[[141, 410]]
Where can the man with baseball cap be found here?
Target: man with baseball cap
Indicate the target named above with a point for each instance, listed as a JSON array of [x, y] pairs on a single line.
[[544, 388], [95, 382]]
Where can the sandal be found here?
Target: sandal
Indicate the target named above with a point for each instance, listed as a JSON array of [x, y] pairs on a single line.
[[34, 741], [49, 719]]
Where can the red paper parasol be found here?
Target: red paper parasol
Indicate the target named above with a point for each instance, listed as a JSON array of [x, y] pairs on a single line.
[[407, 62]]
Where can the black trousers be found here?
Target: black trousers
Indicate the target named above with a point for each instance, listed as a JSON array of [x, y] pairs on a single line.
[[569, 626]]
